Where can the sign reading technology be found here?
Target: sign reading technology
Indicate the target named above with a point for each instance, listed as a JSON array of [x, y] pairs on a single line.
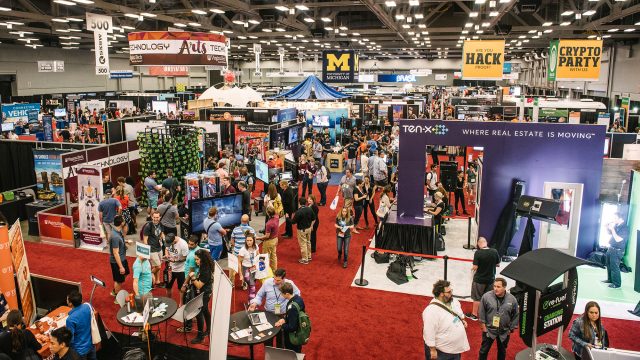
[[339, 66], [483, 59], [574, 60], [177, 48]]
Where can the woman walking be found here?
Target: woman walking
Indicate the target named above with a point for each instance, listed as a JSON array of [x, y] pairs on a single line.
[[344, 225], [246, 261], [369, 204]]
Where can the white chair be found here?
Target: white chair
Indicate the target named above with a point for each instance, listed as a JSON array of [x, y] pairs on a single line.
[[271, 353], [187, 312], [121, 297]]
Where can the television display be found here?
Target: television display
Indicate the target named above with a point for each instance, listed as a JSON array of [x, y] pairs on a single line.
[[8, 126], [229, 211], [60, 113], [262, 171], [320, 120], [293, 135], [51, 293]]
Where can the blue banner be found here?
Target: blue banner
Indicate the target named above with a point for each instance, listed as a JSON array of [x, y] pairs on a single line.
[[48, 127], [17, 112], [396, 78], [287, 114], [506, 68], [121, 74]]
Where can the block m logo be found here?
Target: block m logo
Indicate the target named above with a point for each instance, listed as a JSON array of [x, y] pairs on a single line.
[[342, 62]]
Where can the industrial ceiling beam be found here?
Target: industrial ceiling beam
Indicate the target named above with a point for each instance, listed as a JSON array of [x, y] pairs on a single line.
[[384, 17]]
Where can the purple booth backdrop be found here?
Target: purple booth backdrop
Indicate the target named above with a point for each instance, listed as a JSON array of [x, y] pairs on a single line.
[[533, 152]]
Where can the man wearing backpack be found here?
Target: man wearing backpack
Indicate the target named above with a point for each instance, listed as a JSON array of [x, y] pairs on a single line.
[[295, 325]]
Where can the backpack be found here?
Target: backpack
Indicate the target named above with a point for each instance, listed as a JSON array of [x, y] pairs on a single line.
[[327, 172], [301, 336], [397, 271]]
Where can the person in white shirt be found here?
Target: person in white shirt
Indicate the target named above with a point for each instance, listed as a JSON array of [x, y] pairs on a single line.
[[444, 333], [176, 251], [247, 263]]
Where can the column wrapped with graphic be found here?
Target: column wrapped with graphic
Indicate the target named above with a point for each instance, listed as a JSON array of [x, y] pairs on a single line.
[[170, 147]]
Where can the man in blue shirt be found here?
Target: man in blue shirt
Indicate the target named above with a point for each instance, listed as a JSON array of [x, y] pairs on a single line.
[[153, 191], [275, 302], [214, 233], [142, 276], [108, 208], [79, 323]]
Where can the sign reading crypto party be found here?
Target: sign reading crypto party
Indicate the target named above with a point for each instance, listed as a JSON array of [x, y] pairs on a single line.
[[177, 48], [574, 60], [339, 66], [482, 59]]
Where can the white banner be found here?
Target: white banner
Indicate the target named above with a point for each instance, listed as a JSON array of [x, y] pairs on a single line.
[[99, 23], [89, 196], [177, 46], [102, 52]]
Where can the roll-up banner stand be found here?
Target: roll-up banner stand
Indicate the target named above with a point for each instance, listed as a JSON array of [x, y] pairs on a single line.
[[89, 196]]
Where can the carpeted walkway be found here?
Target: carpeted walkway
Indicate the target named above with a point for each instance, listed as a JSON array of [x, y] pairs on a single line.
[[348, 322]]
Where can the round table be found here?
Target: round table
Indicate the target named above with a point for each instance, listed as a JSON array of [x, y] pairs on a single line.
[[241, 321], [172, 307]]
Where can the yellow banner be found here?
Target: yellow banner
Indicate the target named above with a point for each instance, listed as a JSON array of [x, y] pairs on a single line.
[[482, 59], [579, 59]]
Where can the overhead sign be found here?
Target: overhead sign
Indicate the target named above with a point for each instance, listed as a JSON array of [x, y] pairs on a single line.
[[102, 52], [574, 60], [100, 23], [120, 74], [177, 48], [51, 66], [19, 112], [482, 59], [339, 66], [396, 78], [366, 78], [289, 74], [420, 72], [441, 77], [170, 70]]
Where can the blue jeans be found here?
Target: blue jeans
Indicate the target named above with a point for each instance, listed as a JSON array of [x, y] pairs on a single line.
[[613, 265], [216, 251], [91, 355], [441, 355], [322, 188], [343, 246]]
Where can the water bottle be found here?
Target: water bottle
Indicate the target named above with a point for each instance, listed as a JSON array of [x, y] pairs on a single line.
[[250, 334]]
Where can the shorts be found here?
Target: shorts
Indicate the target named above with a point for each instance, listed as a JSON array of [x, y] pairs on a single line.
[[153, 202], [216, 251], [477, 290], [179, 276], [156, 258], [382, 182], [115, 272]]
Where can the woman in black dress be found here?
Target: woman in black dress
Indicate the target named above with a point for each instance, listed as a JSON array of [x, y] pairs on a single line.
[[459, 193], [202, 283], [369, 204], [311, 202]]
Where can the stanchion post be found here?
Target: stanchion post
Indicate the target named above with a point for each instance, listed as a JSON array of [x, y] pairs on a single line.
[[446, 265], [468, 246], [361, 281]]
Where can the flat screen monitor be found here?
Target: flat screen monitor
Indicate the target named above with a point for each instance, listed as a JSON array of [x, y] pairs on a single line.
[[51, 293], [286, 176], [320, 120], [293, 135], [229, 211], [262, 171], [8, 126], [60, 113]]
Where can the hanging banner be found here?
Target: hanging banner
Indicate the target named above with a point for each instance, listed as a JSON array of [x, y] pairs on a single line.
[[99, 23], [482, 59], [7, 285], [168, 70], [19, 112], [102, 52], [48, 168], [23, 275], [574, 60], [339, 66], [89, 196], [177, 48]]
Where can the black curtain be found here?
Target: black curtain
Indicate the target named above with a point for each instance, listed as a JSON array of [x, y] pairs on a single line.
[[527, 238], [505, 228], [16, 165]]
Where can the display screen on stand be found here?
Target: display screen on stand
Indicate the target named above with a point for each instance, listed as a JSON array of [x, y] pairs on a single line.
[[262, 171], [229, 211]]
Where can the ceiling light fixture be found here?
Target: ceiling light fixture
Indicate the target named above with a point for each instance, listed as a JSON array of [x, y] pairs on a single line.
[[406, 26], [565, 23], [2, 8], [589, 12], [179, 25], [282, 8], [613, 30], [343, 28], [217, 11], [325, 19], [419, 16], [468, 25], [414, 3], [195, 24], [492, 3], [494, 13], [606, 36], [128, 27], [548, 31], [280, 29], [60, 20], [629, 30], [149, 15], [198, 11], [548, 23], [74, 19], [390, 3], [485, 24], [328, 28], [567, 13], [64, 2], [302, 7], [267, 30], [309, 20], [399, 17], [473, 14], [254, 22]]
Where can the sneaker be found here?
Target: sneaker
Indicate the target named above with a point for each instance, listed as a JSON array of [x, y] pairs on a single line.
[[471, 317], [344, 265], [183, 329], [303, 261], [614, 286], [197, 340]]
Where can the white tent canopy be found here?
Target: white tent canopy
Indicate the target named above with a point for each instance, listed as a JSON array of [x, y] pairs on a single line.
[[232, 95]]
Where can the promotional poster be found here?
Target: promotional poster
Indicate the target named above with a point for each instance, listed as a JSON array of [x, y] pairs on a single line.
[[339, 66], [48, 168], [89, 197], [574, 60], [177, 48], [47, 127], [7, 284], [19, 112], [23, 275], [482, 59], [56, 228], [256, 139]]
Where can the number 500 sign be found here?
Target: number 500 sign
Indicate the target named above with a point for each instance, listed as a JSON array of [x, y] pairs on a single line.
[[97, 22]]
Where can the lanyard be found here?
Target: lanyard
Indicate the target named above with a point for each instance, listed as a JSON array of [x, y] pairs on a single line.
[[276, 295]]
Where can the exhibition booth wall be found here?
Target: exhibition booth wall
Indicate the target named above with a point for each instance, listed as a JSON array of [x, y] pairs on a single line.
[[533, 152]]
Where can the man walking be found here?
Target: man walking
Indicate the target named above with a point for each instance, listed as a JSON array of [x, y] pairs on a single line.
[[172, 184], [237, 241], [168, 215], [288, 203], [617, 245], [153, 191], [79, 323], [214, 232], [108, 208], [118, 255], [498, 318], [444, 332], [347, 185], [304, 218], [152, 235], [177, 251], [485, 261]]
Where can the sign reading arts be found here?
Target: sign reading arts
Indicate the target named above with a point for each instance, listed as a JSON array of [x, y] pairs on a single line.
[[339, 66], [574, 60], [177, 48], [483, 59]]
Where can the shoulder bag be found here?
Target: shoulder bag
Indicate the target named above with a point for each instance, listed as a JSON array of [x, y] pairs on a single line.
[[447, 309]]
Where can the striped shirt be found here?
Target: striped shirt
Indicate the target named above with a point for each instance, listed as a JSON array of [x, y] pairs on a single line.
[[238, 237]]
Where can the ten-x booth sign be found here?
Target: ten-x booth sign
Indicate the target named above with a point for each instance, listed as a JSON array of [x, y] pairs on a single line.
[[339, 66]]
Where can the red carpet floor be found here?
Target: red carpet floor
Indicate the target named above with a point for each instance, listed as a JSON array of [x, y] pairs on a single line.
[[348, 322]]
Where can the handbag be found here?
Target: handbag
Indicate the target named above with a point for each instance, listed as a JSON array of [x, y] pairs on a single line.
[[95, 331]]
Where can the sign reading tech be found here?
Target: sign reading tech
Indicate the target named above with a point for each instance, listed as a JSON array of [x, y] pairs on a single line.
[[574, 60], [339, 66], [483, 59]]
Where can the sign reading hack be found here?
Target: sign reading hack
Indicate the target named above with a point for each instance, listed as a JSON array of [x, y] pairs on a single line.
[[339, 66], [574, 60], [483, 59]]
